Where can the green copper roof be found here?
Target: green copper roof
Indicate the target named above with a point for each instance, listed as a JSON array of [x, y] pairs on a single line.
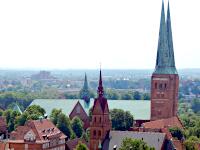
[[165, 63], [16, 108], [138, 108]]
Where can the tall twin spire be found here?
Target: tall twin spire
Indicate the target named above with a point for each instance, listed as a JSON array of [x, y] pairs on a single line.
[[165, 63]]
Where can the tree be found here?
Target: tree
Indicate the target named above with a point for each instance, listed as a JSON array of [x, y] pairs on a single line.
[[81, 146], [136, 95], [176, 132], [191, 143], [77, 126], [35, 109], [54, 115], [146, 96], [134, 144], [196, 105], [126, 96], [121, 120], [63, 123]]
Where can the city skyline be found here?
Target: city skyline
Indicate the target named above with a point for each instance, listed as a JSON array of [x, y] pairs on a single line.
[[70, 35]]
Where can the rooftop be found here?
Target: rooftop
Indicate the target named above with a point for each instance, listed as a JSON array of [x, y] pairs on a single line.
[[140, 109]]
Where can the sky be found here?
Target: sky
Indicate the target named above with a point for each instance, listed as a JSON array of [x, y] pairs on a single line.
[[81, 34]]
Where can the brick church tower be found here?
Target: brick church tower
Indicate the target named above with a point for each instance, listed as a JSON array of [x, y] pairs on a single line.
[[165, 79], [100, 124]]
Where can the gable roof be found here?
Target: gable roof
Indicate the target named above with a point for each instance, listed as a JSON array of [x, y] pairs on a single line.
[[140, 109], [152, 139], [43, 129]]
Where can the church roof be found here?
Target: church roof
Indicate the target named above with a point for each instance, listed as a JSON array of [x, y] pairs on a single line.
[[115, 138], [140, 109], [165, 63], [16, 108]]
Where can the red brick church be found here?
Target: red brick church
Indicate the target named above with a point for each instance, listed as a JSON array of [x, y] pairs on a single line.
[[164, 97]]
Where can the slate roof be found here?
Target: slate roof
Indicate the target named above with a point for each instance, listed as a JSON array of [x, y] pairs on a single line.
[[140, 109], [152, 139]]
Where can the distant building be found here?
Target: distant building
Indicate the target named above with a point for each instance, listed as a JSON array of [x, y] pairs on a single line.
[[85, 93], [38, 134], [42, 75]]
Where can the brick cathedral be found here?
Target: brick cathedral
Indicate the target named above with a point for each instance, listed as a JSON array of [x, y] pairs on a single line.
[[164, 88]]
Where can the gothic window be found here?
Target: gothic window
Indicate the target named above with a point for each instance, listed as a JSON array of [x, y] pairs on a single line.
[[94, 133], [100, 120], [165, 85], [99, 133], [156, 86], [95, 119], [160, 86]]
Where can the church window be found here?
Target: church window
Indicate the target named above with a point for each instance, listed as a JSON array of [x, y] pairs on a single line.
[[99, 133], [156, 85], [165, 85], [95, 119], [94, 133], [100, 119], [160, 86]]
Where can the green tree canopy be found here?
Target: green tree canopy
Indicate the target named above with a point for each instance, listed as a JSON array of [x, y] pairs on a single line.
[[54, 115], [81, 146], [134, 144], [63, 123], [77, 126], [121, 120]]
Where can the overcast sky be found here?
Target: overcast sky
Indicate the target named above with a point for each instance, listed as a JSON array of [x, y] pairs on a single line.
[[74, 34]]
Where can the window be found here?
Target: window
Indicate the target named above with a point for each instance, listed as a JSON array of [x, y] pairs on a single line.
[[99, 133], [165, 85], [160, 86], [100, 119], [156, 85], [95, 119], [94, 133]]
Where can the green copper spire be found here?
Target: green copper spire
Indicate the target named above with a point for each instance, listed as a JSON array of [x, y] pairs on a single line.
[[164, 64], [170, 39], [85, 92]]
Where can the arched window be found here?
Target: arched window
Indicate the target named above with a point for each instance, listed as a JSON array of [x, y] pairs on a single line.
[[94, 133], [95, 119], [100, 120], [99, 133], [156, 85], [160, 86], [165, 85]]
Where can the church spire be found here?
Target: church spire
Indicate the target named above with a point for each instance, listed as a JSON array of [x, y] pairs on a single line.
[[165, 56], [85, 86], [170, 38], [100, 87]]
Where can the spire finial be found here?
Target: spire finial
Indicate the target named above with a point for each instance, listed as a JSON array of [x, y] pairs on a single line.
[[100, 87]]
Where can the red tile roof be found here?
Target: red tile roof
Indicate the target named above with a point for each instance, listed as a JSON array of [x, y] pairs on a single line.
[[43, 129], [163, 123]]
